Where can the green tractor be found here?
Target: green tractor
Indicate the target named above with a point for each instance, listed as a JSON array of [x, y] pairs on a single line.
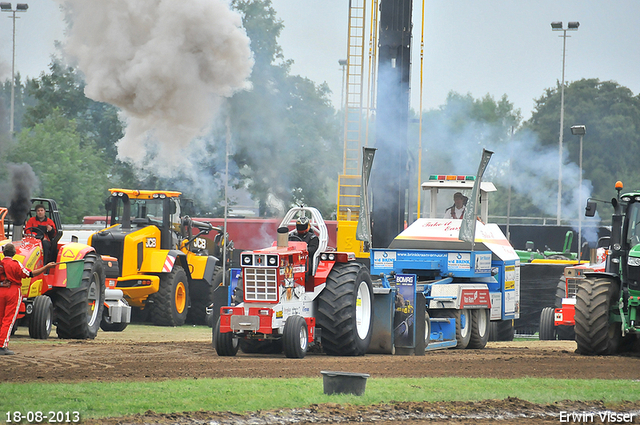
[[608, 302]]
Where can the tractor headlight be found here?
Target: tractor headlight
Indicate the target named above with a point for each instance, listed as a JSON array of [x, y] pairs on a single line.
[[323, 257], [272, 260], [247, 259], [332, 257], [633, 261], [155, 196]]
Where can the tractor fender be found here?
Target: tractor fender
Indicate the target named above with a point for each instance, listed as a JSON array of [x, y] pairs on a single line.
[[71, 251], [173, 257], [602, 274]]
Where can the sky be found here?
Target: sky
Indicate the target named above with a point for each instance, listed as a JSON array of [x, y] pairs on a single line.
[[490, 47]]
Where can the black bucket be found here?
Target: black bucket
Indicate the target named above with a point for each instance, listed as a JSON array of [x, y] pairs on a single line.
[[344, 382]]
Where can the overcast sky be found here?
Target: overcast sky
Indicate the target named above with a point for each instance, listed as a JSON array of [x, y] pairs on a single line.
[[491, 47]]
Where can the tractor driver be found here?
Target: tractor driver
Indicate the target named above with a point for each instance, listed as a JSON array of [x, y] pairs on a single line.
[[304, 233], [458, 208], [47, 229]]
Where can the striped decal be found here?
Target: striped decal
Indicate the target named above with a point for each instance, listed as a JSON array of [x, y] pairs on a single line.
[[168, 264]]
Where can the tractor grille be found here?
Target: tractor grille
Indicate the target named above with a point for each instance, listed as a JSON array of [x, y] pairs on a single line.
[[572, 286], [260, 284]]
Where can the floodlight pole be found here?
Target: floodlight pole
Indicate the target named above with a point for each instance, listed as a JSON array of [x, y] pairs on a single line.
[[20, 7], [557, 26]]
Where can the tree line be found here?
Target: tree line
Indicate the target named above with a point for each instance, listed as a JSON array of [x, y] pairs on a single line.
[[287, 139]]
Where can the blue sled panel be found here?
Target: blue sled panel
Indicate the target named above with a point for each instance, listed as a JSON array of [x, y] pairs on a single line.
[[443, 334]]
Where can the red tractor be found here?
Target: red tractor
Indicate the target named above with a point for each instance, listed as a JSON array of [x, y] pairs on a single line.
[[559, 322], [288, 304], [70, 295]]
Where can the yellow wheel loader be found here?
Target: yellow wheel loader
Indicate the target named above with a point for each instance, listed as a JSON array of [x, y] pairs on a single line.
[[157, 258]]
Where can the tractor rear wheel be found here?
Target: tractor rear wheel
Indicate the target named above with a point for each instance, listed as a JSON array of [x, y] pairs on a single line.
[[564, 332], [170, 305], [202, 297], [296, 337], [225, 344], [547, 330], [595, 332], [345, 310], [78, 311], [41, 318], [479, 328]]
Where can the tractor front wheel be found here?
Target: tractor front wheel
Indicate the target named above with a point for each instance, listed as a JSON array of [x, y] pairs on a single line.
[[170, 305], [296, 337], [345, 310], [225, 344], [547, 330], [41, 318], [78, 311], [595, 332]]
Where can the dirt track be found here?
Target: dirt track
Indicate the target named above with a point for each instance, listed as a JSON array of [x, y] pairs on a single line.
[[153, 353]]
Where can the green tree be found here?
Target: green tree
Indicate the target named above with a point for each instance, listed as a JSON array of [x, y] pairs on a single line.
[[611, 114], [285, 131], [70, 170]]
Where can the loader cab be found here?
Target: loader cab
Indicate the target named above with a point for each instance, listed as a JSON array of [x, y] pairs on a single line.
[[135, 209]]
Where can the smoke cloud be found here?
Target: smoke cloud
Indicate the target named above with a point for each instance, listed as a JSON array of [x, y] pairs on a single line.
[[167, 64], [24, 182]]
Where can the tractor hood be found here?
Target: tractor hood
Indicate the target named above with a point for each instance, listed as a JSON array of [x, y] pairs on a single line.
[[442, 234]]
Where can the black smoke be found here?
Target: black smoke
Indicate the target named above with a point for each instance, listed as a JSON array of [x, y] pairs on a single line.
[[24, 181]]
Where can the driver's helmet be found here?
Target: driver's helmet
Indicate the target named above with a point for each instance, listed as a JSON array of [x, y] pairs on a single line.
[[302, 225]]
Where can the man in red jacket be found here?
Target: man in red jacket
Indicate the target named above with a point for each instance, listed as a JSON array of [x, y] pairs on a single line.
[[47, 230], [11, 275]]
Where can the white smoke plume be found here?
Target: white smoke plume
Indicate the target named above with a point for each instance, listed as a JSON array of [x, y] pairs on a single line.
[[167, 64]]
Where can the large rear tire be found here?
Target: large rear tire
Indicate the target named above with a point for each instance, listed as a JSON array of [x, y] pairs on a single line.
[[345, 310], [479, 328], [296, 337], [170, 305], [78, 311], [595, 332], [41, 318], [547, 330], [225, 344]]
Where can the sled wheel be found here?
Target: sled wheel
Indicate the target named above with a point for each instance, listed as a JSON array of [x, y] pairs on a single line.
[[479, 328], [547, 331]]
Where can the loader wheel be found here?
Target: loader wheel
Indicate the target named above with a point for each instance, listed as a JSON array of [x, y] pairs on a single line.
[[345, 310], [595, 332], [479, 328], [225, 344], [547, 331], [501, 330], [261, 346], [564, 332], [41, 318], [170, 305], [78, 311], [296, 337]]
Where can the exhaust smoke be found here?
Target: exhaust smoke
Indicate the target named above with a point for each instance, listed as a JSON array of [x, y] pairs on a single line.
[[24, 181], [168, 65]]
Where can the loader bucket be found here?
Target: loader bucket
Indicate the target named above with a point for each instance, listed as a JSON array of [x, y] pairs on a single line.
[[74, 273]]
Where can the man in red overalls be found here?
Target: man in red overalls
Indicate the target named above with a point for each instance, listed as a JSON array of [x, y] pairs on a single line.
[[11, 275]]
